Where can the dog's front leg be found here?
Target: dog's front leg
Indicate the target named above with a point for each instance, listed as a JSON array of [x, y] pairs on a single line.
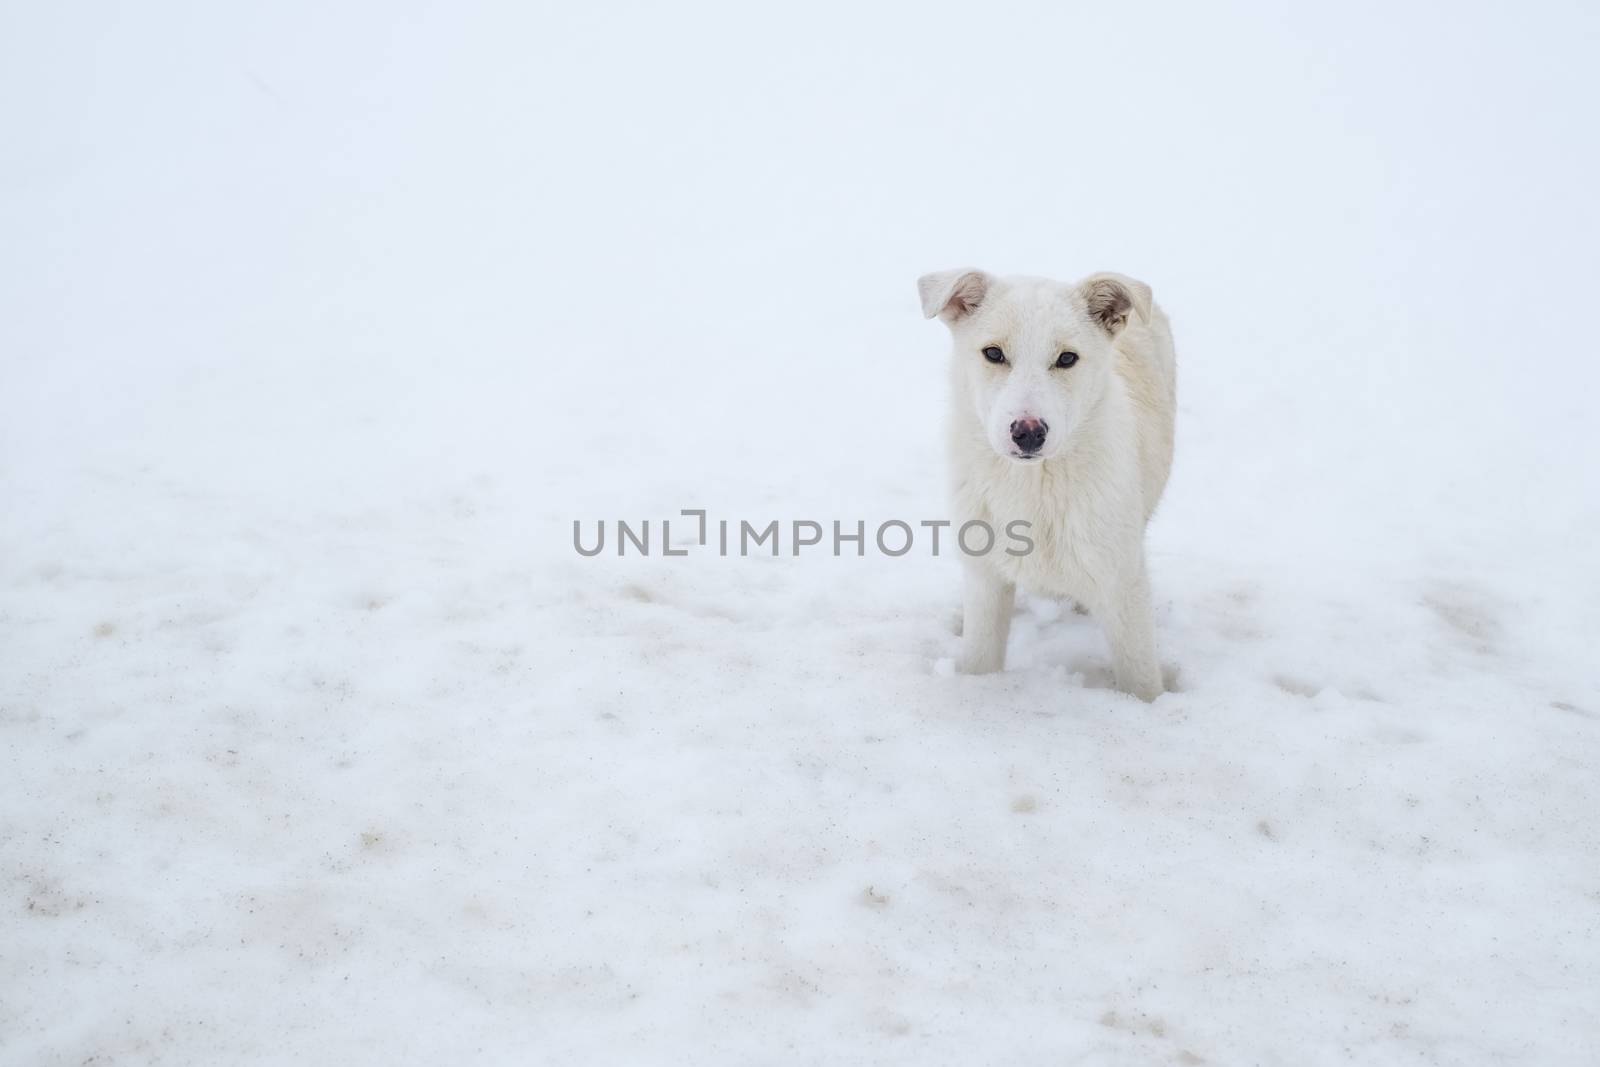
[[1131, 633], [985, 620]]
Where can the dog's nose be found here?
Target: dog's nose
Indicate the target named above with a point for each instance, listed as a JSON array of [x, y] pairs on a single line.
[[1028, 434]]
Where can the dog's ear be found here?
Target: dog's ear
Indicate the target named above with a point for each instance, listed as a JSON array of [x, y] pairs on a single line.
[[952, 294], [1110, 297]]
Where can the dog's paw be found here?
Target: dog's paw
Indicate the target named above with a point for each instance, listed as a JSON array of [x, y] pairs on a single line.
[[1145, 689], [968, 663]]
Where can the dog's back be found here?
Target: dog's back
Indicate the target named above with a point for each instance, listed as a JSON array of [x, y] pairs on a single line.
[[1147, 365]]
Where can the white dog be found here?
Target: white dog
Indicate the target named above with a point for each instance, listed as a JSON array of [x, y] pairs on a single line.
[[1063, 416]]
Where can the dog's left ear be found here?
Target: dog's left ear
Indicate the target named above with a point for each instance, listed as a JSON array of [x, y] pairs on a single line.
[[1110, 297]]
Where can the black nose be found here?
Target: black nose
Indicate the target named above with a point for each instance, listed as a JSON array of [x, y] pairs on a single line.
[[1029, 434]]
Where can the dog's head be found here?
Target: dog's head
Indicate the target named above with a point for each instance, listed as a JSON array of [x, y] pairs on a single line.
[[1033, 357]]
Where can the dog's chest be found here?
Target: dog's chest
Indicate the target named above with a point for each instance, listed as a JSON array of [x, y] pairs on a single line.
[[1072, 541], [1060, 561]]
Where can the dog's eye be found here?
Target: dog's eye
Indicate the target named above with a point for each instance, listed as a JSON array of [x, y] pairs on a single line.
[[994, 355], [1066, 359]]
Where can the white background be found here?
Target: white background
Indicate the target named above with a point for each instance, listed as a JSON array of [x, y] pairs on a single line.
[[320, 324]]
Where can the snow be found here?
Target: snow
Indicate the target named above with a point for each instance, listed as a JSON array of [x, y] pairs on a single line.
[[321, 744]]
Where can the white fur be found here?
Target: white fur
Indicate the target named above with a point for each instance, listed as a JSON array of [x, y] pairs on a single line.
[[1103, 464]]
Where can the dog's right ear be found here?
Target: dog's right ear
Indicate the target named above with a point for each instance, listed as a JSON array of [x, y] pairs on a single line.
[[952, 294]]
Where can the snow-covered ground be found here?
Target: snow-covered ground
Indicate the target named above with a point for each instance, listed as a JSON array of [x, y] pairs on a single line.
[[319, 743]]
